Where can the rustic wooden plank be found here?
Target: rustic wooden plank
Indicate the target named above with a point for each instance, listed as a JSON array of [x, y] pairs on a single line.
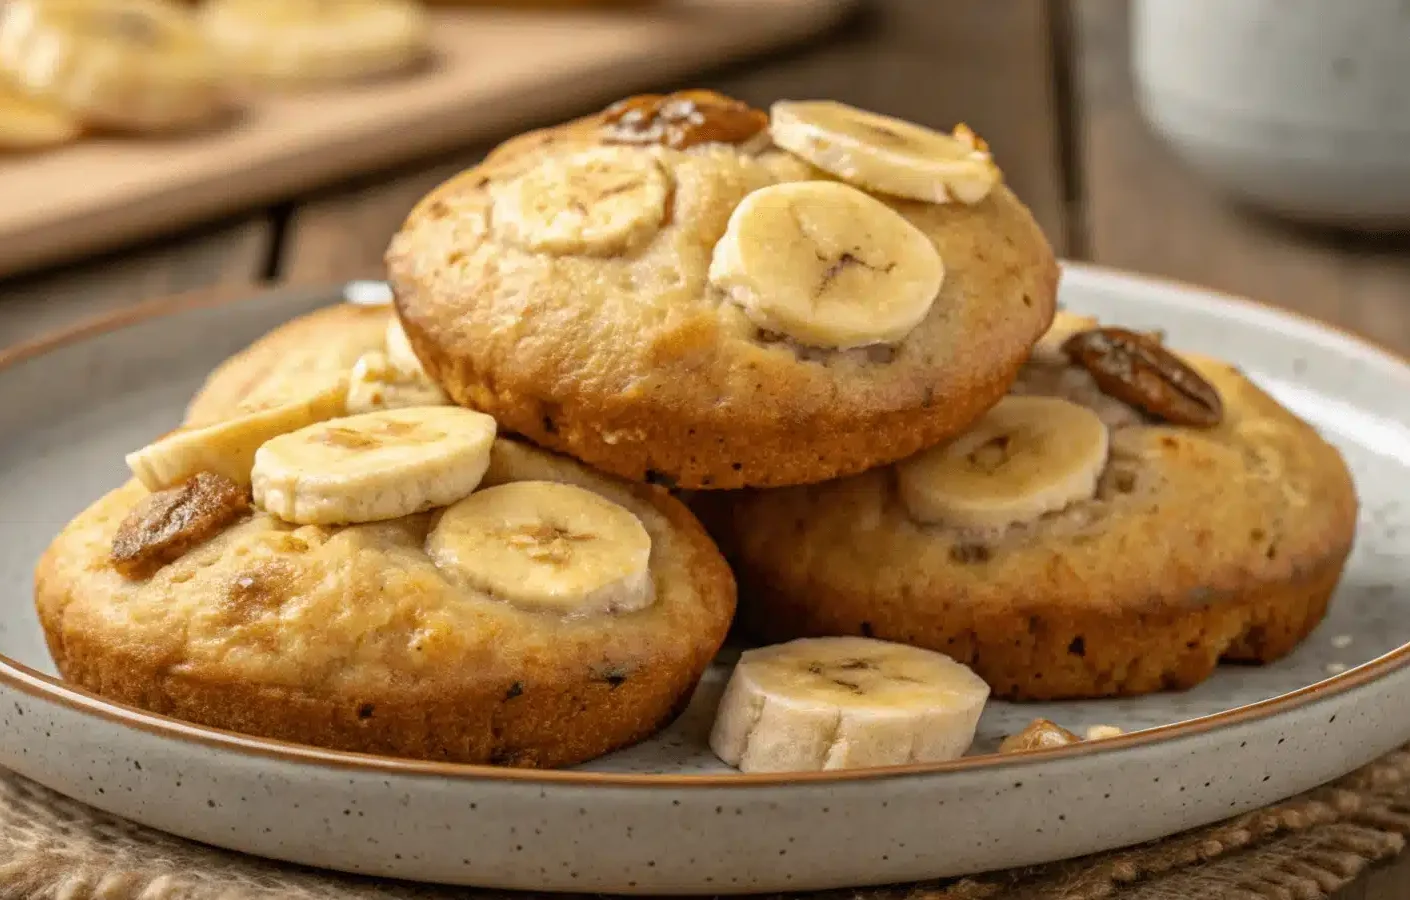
[[234, 253], [343, 234], [1145, 211], [986, 64]]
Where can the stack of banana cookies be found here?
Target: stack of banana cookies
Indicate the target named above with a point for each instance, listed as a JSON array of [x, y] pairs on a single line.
[[162, 66], [455, 526]]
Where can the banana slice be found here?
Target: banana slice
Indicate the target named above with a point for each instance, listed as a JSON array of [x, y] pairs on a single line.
[[1027, 456], [598, 202], [28, 123], [375, 384], [140, 65], [316, 40], [827, 265], [228, 447], [547, 547], [845, 703], [400, 353], [394, 379], [885, 154], [380, 465]]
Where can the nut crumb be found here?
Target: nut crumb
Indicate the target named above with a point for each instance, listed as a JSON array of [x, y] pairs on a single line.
[[164, 525], [1335, 668], [1040, 734], [1341, 641], [1102, 732]]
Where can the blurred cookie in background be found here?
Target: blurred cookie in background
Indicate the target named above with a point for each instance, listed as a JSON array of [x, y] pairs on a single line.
[[28, 123], [315, 41], [126, 65]]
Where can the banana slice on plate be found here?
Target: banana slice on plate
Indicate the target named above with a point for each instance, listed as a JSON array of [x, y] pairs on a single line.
[[596, 202], [228, 447], [316, 40], [28, 123], [375, 384], [139, 65], [845, 703], [547, 547], [883, 154], [827, 265], [375, 466], [1026, 457]]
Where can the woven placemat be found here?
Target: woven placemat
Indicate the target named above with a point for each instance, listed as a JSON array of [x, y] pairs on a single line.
[[1302, 849]]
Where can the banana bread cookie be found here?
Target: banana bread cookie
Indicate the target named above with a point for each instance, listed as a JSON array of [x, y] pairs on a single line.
[[399, 581], [1117, 525], [326, 342], [686, 290]]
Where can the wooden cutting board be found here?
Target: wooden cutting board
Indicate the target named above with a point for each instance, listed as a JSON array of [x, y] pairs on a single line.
[[496, 71]]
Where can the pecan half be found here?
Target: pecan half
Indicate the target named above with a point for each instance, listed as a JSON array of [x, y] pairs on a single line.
[[1039, 735], [682, 120], [1137, 370], [166, 524]]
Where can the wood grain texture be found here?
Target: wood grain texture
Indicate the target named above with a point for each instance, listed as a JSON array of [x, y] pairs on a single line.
[[234, 253], [495, 70], [1145, 211], [343, 234], [936, 63]]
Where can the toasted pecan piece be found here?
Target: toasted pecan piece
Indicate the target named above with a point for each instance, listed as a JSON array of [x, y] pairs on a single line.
[[166, 524], [682, 120], [1136, 369]]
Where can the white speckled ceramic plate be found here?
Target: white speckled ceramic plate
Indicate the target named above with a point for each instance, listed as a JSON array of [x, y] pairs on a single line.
[[664, 817]]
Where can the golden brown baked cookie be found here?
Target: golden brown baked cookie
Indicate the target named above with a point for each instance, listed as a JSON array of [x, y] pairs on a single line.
[[375, 637], [1192, 545], [325, 342], [631, 289]]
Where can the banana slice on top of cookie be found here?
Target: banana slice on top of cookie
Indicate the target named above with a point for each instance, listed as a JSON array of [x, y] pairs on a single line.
[[827, 264], [1125, 519], [547, 546], [228, 447], [1027, 457], [886, 154], [402, 582], [378, 465], [685, 290]]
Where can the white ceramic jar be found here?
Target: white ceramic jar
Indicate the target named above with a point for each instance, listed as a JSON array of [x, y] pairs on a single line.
[[1301, 107]]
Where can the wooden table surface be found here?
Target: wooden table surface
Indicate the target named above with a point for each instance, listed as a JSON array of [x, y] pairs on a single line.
[[1047, 83]]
